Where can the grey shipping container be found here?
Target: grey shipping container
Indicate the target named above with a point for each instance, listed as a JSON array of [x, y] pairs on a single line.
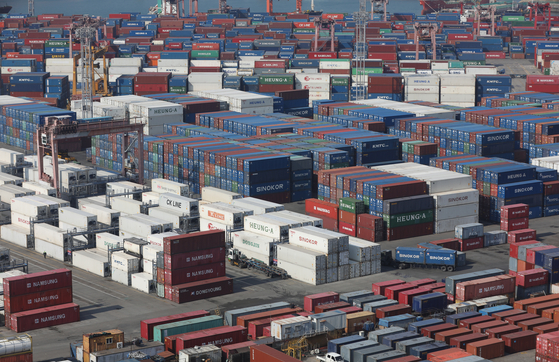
[[406, 345], [336, 344], [362, 354], [417, 326], [349, 297], [391, 340], [232, 315], [369, 299], [456, 318], [451, 281], [386, 356], [346, 350], [373, 306], [379, 334]]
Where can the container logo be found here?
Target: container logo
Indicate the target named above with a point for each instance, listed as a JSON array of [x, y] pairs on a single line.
[[258, 227], [524, 189], [50, 318], [252, 244], [516, 175], [326, 211], [269, 188], [42, 299], [200, 257], [502, 137], [308, 240], [200, 273], [42, 283], [411, 256], [206, 291], [491, 289], [413, 217], [457, 199], [216, 215]]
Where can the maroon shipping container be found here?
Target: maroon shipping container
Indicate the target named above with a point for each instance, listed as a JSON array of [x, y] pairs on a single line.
[[470, 322], [146, 326], [423, 282], [533, 323], [264, 353], [44, 317], [471, 244], [201, 290], [350, 310], [243, 321], [540, 307], [331, 306], [187, 243], [406, 297], [482, 327], [37, 282], [219, 336], [521, 235], [370, 235], [516, 211], [487, 287], [520, 341], [446, 336], [452, 244], [368, 221], [194, 274], [499, 331], [508, 313], [394, 291], [430, 331], [405, 359], [256, 328], [24, 357], [393, 310], [200, 257], [311, 301], [378, 288], [404, 232], [321, 208], [520, 318], [488, 349], [48, 298], [515, 224], [532, 277], [327, 223], [152, 78], [463, 340], [230, 349], [547, 328]]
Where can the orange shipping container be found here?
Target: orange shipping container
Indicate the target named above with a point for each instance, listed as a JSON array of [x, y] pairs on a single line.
[[356, 321]]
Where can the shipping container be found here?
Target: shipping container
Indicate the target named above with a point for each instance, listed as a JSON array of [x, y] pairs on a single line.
[[44, 317]]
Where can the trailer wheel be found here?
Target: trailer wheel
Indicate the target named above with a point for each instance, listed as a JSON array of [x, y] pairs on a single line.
[[443, 268], [402, 266], [450, 268]]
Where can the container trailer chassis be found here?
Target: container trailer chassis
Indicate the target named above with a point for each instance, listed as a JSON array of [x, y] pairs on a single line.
[[237, 259]]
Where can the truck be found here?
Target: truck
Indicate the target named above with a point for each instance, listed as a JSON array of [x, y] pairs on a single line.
[[443, 259]]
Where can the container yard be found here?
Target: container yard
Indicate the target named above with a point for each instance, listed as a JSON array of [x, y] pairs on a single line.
[[240, 185]]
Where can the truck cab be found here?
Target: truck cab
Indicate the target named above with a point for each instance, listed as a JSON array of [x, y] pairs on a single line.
[[331, 357]]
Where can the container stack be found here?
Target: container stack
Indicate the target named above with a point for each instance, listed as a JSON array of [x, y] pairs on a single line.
[[58, 87], [318, 85], [492, 86], [486, 287], [458, 90], [123, 265], [364, 257], [53, 241], [205, 275], [419, 151], [28, 84], [255, 246], [470, 236], [515, 217], [424, 88], [327, 211], [349, 213], [385, 86], [370, 227], [39, 300], [150, 83]]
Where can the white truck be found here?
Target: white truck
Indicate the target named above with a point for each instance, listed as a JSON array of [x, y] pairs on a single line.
[[331, 357]]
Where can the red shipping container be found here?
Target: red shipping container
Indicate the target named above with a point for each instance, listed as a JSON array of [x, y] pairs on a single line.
[[24, 357], [200, 257], [531, 253], [379, 288], [453, 244], [404, 232], [430, 331], [446, 336], [471, 244], [244, 320], [521, 235], [262, 352], [348, 229], [462, 341], [515, 224], [507, 313], [330, 306], [406, 297], [393, 310], [327, 223], [547, 328], [147, 325], [424, 281], [370, 235], [532, 277], [152, 78], [520, 318], [200, 290], [487, 287], [44, 317], [513, 247], [37, 282], [256, 328], [533, 323], [520, 341], [219, 336], [482, 327], [193, 242], [497, 332], [233, 348], [369, 221], [314, 300], [194, 274], [469, 322], [516, 211], [488, 349], [540, 308], [393, 291], [48, 298]]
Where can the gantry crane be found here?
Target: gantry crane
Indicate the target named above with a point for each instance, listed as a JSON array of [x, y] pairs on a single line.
[[425, 31], [60, 129], [223, 7], [542, 8], [324, 24], [173, 7], [378, 6], [487, 13], [270, 6]]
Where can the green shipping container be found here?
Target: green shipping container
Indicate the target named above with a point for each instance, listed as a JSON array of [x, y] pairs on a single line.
[[368, 71], [351, 205], [413, 218], [276, 79], [385, 31], [190, 325], [181, 90], [204, 53], [344, 81], [513, 18], [57, 44]]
